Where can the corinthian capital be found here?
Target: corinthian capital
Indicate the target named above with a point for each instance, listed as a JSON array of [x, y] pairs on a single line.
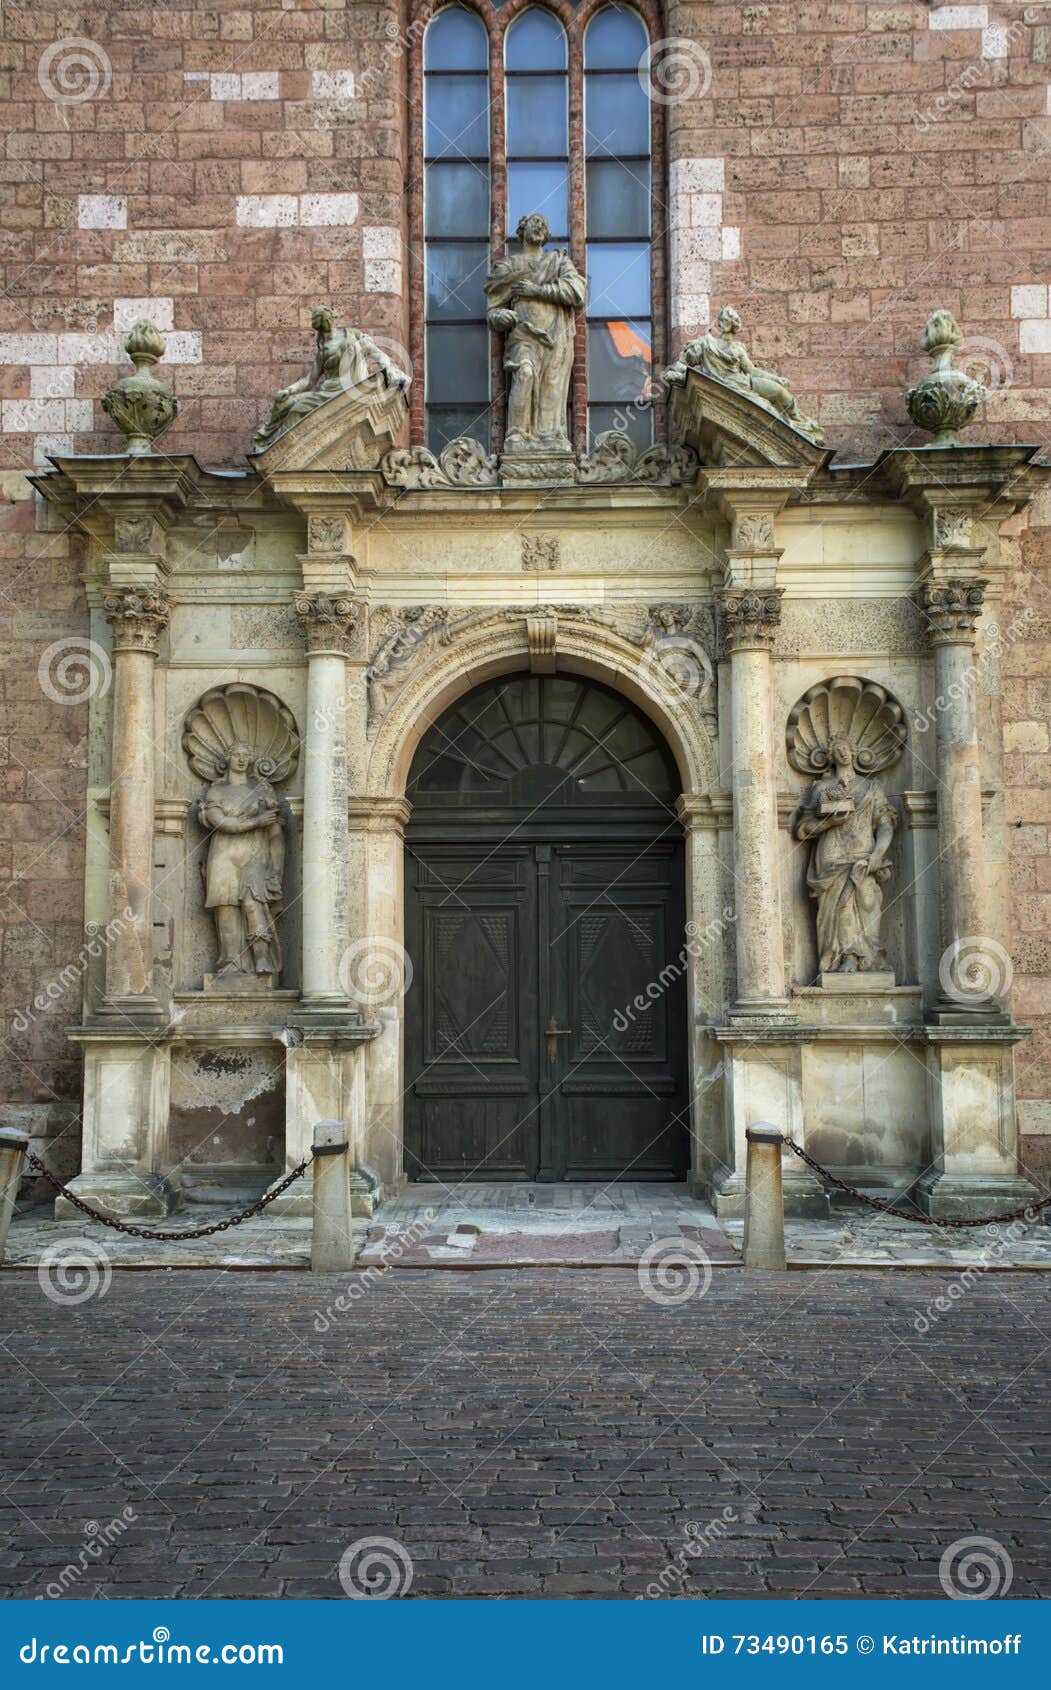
[[328, 622], [750, 617], [138, 615], [951, 610]]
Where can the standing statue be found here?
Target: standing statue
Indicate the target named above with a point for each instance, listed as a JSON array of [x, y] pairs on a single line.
[[845, 730], [533, 299], [245, 867], [242, 739], [342, 360], [722, 357]]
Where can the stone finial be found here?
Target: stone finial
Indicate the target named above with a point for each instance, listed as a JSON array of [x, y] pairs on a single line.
[[945, 400], [141, 408]]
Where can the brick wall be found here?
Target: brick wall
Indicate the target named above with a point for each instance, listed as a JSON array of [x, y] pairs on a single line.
[[835, 172]]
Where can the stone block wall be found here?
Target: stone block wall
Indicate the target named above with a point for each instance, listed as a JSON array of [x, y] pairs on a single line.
[[836, 171]]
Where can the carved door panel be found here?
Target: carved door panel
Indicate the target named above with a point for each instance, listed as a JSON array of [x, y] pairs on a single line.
[[471, 1015], [617, 1074]]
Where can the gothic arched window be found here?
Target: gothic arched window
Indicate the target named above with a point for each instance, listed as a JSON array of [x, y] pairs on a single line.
[[540, 106]]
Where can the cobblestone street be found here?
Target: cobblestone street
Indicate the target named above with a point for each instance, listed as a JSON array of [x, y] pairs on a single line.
[[524, 1434]]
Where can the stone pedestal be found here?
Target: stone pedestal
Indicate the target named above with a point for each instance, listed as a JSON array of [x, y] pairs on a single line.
[[763, 1082], [125, 1162], [974, 1142], [325, 1080], [860, 983]]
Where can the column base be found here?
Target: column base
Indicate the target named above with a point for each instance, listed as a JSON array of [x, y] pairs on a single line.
[[130, 1014], [973, 1196], [805, 1196], [366, 1195], [949, 1012], [762, 1012], [122, 1196]]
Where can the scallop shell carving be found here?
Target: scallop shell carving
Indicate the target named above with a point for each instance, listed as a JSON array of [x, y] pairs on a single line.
[[846, 707], [248, 714]]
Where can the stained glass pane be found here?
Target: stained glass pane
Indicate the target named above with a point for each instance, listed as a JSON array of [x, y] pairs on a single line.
[[617, 117], [536, 41], [456, 272], [616, 40], [619, 280], [618, 200], [456, 40], [537, 121], [619, 359], [457, 122], [456, 200], [539, 187], [457, 364]]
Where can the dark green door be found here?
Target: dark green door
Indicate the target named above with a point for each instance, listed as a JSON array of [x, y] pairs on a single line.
[[543, 894]]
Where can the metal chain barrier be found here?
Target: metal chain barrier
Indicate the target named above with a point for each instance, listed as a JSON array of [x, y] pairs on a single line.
[[1027, 1210], [255, 1208]]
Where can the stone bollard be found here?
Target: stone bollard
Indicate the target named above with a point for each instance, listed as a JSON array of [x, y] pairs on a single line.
[[764, 1204], [13, 1147], [332, 1238]]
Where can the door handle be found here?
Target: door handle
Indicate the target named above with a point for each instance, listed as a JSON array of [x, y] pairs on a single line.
[[553, 1034]]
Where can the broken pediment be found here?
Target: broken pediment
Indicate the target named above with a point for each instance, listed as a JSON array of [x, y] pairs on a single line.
[[730, 428], [351, 431]]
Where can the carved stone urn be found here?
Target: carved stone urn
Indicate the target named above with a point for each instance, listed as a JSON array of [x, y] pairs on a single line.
[[946, 399], [141, 408]]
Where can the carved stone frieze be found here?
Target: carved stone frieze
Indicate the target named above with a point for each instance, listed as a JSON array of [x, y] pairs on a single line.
[[951, 609], [327, 534], [952, 527], [138, 616], [750, 618], [614, 459], [540, 551], [328, 622], [753, 531], [134, 534]]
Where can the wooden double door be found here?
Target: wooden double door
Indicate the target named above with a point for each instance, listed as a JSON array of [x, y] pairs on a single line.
[[545, 1024]]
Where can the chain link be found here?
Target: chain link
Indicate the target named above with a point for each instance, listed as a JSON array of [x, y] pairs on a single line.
[[255, 1208], [1027, 1210]]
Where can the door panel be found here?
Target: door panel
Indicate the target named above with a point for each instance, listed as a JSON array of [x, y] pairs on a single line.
[[471, 1039]]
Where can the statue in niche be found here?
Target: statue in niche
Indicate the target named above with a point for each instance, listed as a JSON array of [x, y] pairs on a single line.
[[242, 739], [343, 359], [533, 300], [845, 731], [722, 357]]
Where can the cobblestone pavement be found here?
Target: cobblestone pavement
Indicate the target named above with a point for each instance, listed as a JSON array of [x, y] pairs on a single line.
[[524, 1433]]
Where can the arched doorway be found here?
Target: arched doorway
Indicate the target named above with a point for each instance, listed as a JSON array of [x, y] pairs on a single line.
[[545, 1024]]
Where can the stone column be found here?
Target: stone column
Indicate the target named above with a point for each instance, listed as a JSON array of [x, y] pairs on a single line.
[[329, 623], [138, 617], [749, 620], [952, 608]]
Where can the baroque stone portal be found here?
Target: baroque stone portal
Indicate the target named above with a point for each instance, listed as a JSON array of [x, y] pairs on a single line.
[[243, 738], [342, 360], [848, 728], [722, 357], [533, 299]]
